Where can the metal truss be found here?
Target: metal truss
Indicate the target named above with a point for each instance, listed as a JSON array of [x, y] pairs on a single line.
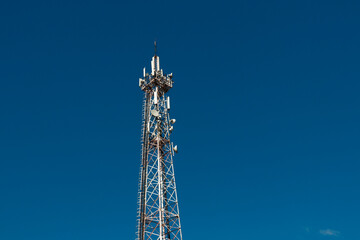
[[158, 212]]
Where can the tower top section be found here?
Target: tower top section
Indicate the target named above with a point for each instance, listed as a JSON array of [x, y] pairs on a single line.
[[157, 77]]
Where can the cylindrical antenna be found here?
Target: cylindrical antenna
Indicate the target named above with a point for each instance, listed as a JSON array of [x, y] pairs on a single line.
[[155, 47]]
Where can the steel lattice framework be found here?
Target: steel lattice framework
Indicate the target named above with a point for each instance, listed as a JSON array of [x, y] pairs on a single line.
[[158, 212]]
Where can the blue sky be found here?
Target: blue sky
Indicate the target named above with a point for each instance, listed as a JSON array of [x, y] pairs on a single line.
[[266, 98]]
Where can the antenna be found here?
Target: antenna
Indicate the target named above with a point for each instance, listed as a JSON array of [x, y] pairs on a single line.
[[155, 48]]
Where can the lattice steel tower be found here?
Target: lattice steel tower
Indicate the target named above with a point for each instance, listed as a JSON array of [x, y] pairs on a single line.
[[158, 212]]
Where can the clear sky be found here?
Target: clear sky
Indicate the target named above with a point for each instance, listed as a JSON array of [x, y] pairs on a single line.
[[266, 98]]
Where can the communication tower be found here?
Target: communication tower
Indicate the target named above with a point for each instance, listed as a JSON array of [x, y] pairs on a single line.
[[158, 210]]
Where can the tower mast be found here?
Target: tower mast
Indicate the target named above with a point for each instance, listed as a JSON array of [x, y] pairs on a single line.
[[158, 213]]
